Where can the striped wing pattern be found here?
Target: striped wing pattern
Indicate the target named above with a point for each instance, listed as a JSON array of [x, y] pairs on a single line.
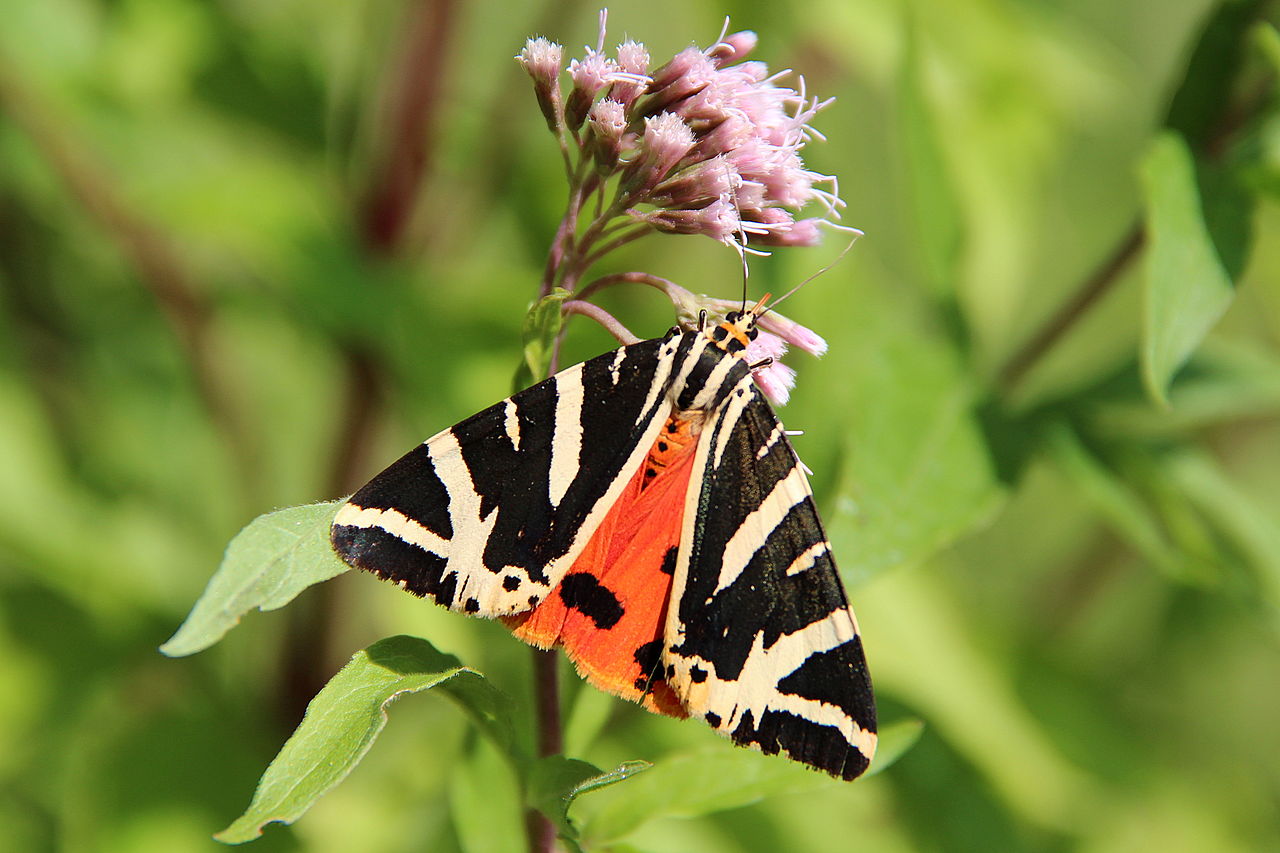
[[763, 644], [485, 517]]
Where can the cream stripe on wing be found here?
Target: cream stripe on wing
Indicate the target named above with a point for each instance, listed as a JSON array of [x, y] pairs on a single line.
[[733, 409], [615, 368], [758, 525], [756, 687], [808, 557], [470, 530], [566, 439], [394, 522], [511, 422]]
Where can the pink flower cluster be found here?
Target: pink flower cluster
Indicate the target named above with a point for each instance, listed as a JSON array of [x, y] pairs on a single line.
[[707, 143], [704, 144]]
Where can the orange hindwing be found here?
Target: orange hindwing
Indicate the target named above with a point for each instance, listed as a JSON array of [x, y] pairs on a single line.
[[610, 608]]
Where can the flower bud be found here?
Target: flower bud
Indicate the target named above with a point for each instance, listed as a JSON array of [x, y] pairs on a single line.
[[543, 59], [633, 59], [590, 75], [732, 48], [608, 122]]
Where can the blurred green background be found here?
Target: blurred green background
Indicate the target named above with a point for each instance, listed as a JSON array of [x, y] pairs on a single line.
[[251, 252]]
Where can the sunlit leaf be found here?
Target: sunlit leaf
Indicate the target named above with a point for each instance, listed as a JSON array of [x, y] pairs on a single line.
[[1187, 288], [344, 719], [266, 565]]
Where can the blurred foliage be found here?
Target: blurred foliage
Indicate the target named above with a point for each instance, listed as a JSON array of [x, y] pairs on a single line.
[[250, 252]]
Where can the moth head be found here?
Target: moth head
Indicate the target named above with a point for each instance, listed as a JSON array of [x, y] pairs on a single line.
[[738, 329]]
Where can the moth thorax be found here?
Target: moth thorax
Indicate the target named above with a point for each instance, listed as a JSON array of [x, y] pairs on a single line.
[[735, 332]]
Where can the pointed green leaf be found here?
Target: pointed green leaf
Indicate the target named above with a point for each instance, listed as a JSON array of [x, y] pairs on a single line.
[[344, 719], [1187, 287], [538, 334], [694, 784], [555, 782], [266, 565]]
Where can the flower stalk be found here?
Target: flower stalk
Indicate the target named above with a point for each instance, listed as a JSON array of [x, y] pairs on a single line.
[[708, 143]]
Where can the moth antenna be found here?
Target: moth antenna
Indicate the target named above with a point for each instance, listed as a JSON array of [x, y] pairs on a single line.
[[741, 243], [853, 239]]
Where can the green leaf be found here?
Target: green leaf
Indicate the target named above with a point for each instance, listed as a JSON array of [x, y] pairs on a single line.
[[895, 740], [1123, 511], [537, 335], [698, 783], [1225, 381], [266, 565], [556, 781], [344, 719], [1202, 95], [1253, 528], [1186, 286]]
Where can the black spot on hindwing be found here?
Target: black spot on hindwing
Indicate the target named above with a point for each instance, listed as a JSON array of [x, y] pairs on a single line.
[[649, 658], [583, 592]]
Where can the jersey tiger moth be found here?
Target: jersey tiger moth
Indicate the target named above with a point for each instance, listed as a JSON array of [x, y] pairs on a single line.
[[646, 511]]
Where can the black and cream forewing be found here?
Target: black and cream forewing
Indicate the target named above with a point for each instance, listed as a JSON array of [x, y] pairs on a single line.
[[761, 642], [488, 515]]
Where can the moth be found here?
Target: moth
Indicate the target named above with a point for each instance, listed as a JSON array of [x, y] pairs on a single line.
[[646, 511]]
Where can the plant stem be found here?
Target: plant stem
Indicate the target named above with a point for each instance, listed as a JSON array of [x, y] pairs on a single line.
[[663, 284], [1093, 289], [411, 97], [546, 709]]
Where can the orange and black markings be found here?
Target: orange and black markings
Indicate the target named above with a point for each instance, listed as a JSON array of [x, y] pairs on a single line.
[[609, 610], [562, 510]]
